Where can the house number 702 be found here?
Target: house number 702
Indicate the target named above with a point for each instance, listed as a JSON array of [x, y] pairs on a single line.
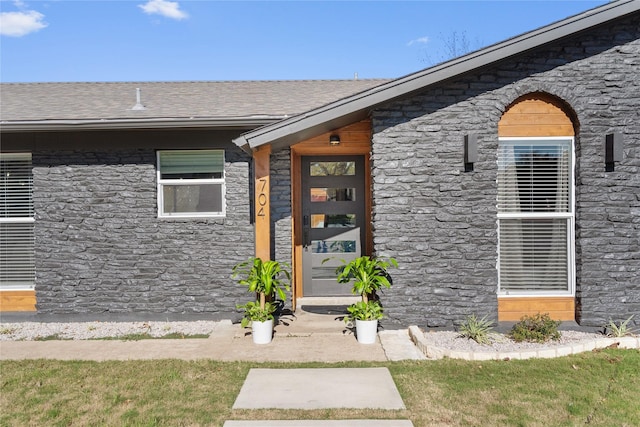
[[262, 196]]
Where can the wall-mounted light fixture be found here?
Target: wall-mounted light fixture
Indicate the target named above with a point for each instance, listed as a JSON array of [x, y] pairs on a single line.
[[612, 151], [334, 140], [470, 152]]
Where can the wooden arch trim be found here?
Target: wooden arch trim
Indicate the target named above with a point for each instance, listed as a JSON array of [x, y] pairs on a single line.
[[537, 114]]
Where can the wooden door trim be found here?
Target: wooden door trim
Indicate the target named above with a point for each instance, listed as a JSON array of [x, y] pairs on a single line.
[[355, 139]]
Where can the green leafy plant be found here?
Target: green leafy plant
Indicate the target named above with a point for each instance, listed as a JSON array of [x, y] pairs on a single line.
[[476, 329], [619, 330], [536, 328], [253, 312], [364, 310], [268, 279], [369, 275]]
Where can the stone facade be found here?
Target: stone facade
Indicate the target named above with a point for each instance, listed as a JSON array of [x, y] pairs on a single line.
[[281, 206], [439, 222], [103, 253]]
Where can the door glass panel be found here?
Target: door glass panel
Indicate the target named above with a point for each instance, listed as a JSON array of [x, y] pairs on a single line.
[[333, 246], [333, 195], [332, 168], [333, 220], [324, 273]]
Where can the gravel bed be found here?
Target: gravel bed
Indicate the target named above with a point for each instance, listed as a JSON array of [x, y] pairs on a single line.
[[502, 343], [30, 331]]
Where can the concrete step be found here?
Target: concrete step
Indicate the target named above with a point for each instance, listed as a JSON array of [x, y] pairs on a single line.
[[319, 388]]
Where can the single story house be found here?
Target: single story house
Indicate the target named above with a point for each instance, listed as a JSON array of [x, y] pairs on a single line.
[[504, 182]]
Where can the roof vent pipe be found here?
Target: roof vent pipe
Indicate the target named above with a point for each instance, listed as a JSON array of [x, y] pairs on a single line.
[[138, 105]]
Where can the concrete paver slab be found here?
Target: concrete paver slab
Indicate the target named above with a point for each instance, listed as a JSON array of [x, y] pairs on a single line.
[[317, 388], [397, 345], [320, 423]]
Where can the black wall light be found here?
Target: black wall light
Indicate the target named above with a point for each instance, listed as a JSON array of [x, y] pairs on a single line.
[[470, 152], [334, 140], [612, 150]]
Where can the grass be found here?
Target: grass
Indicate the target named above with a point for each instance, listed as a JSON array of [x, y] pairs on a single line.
[[597, 388]]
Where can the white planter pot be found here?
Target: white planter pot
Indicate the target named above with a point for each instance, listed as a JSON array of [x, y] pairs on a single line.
[[262, 332], [366, 331]]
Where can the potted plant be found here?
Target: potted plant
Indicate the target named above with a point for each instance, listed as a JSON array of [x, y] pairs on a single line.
[[368, 275], [267, 280]]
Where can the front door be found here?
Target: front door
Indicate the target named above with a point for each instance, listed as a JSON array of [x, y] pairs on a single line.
[[333, 220]]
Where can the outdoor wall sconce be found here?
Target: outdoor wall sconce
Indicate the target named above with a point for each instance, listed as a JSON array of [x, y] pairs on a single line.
[[334, 140], [470, 152], [612, 151]]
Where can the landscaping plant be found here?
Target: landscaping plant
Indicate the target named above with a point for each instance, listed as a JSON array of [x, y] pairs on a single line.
[[536, 328], [476, 329], [253, 312], [268, 279], [369, 275], [621, 330], [370, 310]]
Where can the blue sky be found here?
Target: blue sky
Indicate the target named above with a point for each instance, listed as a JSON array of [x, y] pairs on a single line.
[[162, 40]]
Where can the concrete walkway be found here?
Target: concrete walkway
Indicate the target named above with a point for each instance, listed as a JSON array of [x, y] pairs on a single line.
[[305, 337], [319, 388]]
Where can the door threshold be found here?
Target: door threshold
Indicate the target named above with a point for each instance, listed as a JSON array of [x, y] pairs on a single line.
[[347, 300]]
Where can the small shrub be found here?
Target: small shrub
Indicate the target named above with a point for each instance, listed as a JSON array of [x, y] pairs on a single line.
[[476, 329], [536, 328], [619, 330]]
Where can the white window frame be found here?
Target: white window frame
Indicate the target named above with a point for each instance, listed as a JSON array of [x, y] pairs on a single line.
[[187, 181], [22, 220], [569, 216]]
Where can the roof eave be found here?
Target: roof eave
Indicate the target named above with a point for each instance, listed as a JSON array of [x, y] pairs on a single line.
[[132, 124], [331, 116]]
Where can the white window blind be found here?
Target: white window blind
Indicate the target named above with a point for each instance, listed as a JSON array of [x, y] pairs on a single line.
[[535, 215], [191, 183], [17, 250]]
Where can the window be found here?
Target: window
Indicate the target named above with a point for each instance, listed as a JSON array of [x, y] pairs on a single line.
[[17, 249], [535, 216], [191, 183]]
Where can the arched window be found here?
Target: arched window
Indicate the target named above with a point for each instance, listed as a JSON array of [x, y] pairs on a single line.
[[536, 198]]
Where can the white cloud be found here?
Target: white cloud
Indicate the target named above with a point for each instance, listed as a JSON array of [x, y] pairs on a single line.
[[169, 9], [421, 40], [18, 24]]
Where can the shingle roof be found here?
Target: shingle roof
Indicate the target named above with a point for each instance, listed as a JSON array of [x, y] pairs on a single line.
[[81, 102]]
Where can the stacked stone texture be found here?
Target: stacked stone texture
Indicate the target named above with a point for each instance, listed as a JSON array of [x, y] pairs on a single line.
[[281, 206], [102, 251], [439, 222]]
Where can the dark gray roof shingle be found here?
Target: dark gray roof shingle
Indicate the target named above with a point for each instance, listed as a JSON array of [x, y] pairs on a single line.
[[223, 99]]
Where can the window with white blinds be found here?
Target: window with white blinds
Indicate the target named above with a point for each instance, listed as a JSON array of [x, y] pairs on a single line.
[[191, 183], [535, 216], [17, 253]]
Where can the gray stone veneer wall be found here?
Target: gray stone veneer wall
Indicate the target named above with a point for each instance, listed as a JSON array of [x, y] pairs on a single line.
[[281, 206], [440, 222], [102, 252]]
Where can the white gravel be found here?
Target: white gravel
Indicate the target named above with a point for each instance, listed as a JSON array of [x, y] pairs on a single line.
[[502, 343], [30, 331]]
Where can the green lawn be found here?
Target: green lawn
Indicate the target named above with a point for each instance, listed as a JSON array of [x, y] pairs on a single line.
[[596, 389]]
